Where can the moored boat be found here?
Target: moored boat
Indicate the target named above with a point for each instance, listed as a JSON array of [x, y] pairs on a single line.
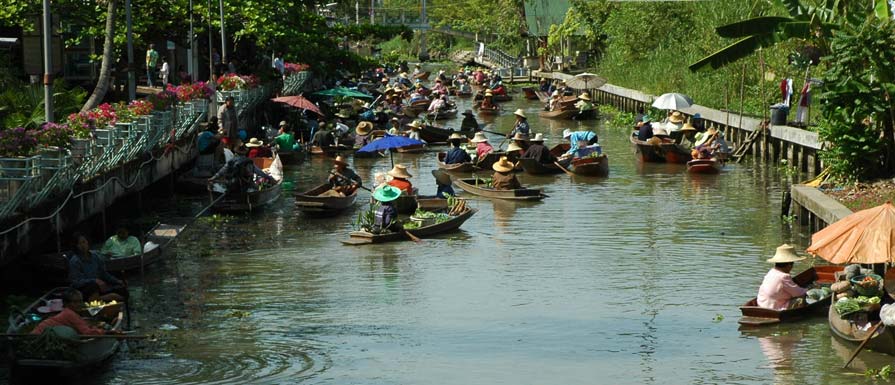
[[754, 315], [330, 150], [590, 166], [313, 202], [252, 200], [477, 187], [365, 237], [443, 115], [530, 93], [704, 166], [570, 113], [534, 167], [464, 167], [856, 331], [647, 152], [434, 134]]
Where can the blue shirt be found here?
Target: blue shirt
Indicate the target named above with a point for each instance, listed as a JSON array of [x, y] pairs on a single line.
[[82, 272], [457, 156], [577, 137], [520, 128], [385, 215]]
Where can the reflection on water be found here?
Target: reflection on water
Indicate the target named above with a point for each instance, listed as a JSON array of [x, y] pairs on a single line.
[[619, 280]]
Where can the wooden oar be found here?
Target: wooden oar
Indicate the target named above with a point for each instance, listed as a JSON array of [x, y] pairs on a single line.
[[863, 343], [564, 169], [412, 237]]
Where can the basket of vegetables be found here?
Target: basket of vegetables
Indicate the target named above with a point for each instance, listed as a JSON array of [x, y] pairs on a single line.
[[423, 218], [867, 285]]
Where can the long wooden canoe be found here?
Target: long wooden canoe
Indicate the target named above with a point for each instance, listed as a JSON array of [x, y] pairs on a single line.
[[365, 238], [311, 202], [434, 134], [591, 166], [494, 110], [412, 149], [330, 150], [464, 167], [534, 167], [754, 315], [530, 93], [847, 329], [291, 157], [704, 166], [249, 201], [469, 185], [85, 353], [443, 115], [647, 152]]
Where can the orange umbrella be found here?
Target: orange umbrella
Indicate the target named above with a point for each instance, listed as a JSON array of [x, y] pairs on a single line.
[[867, 236], [298, 101]]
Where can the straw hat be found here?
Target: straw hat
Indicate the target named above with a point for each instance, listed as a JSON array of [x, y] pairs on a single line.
[[488, 93], [513, 147], [456, 136], [403, 74], [468, 113], [400, 171], [502, 165], [566, 133], [676, 117], [520, 136], [364, 128], [386, 193], [254, 142], [414, 125], [584, 96], [441, 177], [539, 137], [520, 113], [283, 123], [340, 161], [479, 138], [785, 254], [344, 114], [688, 127]]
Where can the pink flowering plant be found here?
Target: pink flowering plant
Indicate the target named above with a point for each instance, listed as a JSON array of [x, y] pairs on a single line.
[[250, 81], [55, 135], [187, 92], [105, 115], [295, 67], [165, 99], [231, 82], [123, 113], [140, 107], [82, 124], [16, 142]]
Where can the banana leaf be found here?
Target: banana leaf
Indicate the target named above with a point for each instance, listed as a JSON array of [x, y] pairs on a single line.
[[736, 51], [753, 26]]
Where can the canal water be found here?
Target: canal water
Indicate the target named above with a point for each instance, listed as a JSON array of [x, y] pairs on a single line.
[[633, 279]]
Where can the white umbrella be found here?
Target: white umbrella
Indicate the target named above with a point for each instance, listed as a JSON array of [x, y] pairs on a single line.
[[585, 81], [672, 101]]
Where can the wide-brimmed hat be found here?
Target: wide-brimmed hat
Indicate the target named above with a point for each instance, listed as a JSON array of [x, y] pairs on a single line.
[[479, 137], [364, 128], [539, 137], [785, 254], [344, 114], [403, 74], [520, 136], [384, 80], [283, 123], [566, 133], [386, 193], [489, 93], [502, 165], [414, 125], [646, 119], [584, 96], [688, 127], [520, 113], [468, 113], [456, 136], [254, 142], [676, 117], [399, 171], [514, 147], [340, 161], [442, 177]]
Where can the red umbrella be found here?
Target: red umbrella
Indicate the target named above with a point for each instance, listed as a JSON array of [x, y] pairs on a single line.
[[298, 101]]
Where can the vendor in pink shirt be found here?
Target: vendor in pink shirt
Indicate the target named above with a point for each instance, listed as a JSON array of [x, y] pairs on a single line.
[[71, 301], [778, 291]]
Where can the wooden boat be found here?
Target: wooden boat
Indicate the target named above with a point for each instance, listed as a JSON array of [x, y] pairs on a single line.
[[590, 166], [460, 93], [364, 238], [494, 110], [291, 157], [660, 152], [85, 354], [251, 200], [494, 98], [882, 341], [311, 202], [473, 186], [433, 134], [754, 315], [569, 113], [704, 166], [465, 167], [489, 159], [530, 93], [533, 167], [412, 149], [675, 153], [417, 108], [422, 76], [330, 150], [443, 115]]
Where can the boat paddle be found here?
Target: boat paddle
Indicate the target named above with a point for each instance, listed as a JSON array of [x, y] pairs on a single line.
[[563, 168], [870, 335]]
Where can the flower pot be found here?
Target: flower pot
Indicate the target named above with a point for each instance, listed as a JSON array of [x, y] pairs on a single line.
[[80, 149]]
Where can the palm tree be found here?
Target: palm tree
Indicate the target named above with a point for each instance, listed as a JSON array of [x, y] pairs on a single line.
[[812, 20], [105, 72]]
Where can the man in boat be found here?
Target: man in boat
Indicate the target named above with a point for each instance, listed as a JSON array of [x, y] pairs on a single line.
[[362, 134], [674, 121], [343, 179], [239, 174], [488, 100], [469, 122], [708, 143], [257, 149], [456, 155], [482, 147], [688, 136], [443, 182], [122, 244], [538, 151], [403, 80], [521, 141], [579, 140], [414, 127], [521, 126], [778, 291], [438, 104], [584, 104], [323, 137], [555, 97], [400, 179], [285, 141], [72, 301], [87, 273], [394, 126], [386, 217], [644, 129], [503, 177]]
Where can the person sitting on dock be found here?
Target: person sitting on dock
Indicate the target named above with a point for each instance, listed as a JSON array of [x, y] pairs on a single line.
[[469, 122], [122, 244], [285, 141], [400, 178], [72, 300], [644, 129], [257, 149], [456, 155], [580, 140], [538, 151], [778, 291], [482, 147], [584, 104], [521, 126], [385, 218], [503, 177], [87, 273], [343, 179]]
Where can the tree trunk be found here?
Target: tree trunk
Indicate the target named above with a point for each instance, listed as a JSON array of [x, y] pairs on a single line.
[[105, 72]]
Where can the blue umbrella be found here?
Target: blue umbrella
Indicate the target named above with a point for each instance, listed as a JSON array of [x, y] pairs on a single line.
[[389, 142]]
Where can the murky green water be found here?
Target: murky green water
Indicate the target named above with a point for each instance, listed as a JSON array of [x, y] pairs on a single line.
[[634, 279]]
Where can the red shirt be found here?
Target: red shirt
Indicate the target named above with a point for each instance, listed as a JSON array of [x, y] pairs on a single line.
[[402, 184], [260, 152], [68, 317]]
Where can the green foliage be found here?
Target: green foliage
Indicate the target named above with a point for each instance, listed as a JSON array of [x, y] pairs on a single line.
[[366, 219], [585, 20], [858, 109], [879, 374], [613, 118], [498, 22], [22, 105]]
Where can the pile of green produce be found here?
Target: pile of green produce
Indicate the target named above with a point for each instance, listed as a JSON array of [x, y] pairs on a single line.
[[845, 306], [439, 217]]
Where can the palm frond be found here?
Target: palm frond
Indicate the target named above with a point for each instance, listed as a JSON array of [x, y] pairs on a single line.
[[753, 26]]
